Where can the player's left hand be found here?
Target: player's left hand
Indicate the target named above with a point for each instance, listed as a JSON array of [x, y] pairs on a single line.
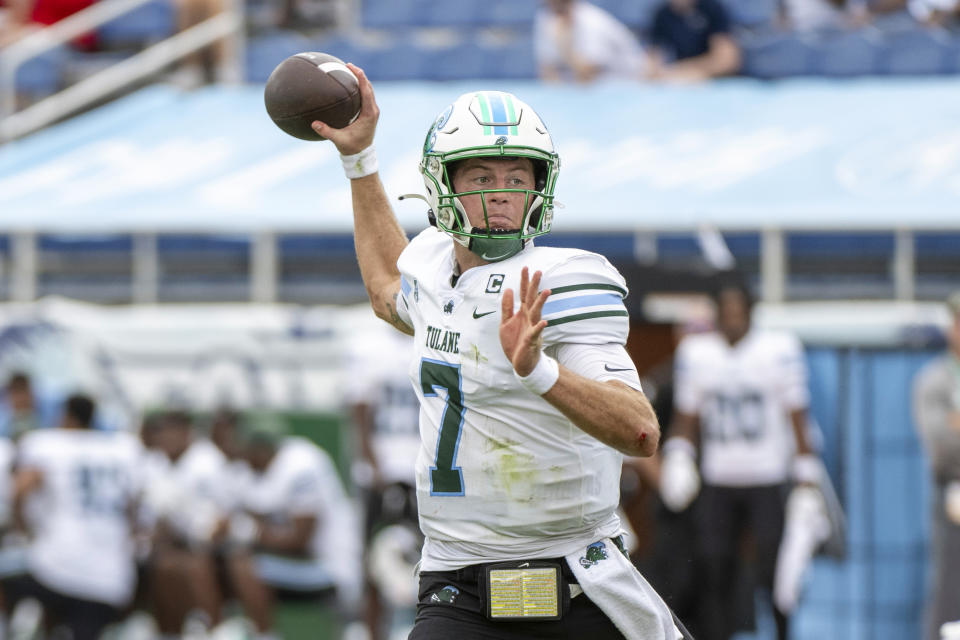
[[521, 332]]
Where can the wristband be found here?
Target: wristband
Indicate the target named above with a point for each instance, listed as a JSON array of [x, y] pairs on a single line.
[[543, 376], [679, 443], [361, 164], [807, 468]]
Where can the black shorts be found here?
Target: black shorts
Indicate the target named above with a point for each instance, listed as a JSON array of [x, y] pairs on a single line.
[[86, 619], [459, 612]]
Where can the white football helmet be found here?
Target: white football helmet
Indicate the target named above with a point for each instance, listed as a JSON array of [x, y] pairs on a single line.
[[484, 124]]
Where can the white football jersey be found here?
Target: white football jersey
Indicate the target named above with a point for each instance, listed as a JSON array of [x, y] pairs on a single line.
[[193, 492], [377, 376], [301, 480], [743, 395], [501, 473], [83, 544]]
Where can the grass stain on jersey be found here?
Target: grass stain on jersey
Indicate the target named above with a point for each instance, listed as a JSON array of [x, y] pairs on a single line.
[[518, 474]]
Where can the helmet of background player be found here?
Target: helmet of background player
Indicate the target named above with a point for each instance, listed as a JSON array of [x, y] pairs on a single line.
[[488, 124]]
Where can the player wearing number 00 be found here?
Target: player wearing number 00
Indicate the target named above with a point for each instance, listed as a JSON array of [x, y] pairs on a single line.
[[528, 397], [741, 394]]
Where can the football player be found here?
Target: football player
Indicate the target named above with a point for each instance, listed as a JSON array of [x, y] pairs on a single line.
[[83, 485], [385, 414], [295, 534], [189, 493], [528, 397], [741, 395]]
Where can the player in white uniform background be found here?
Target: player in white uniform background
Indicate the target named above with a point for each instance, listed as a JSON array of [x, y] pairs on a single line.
[[190, 491], [83, 485], [296, 533], [528, 397], [384, 413], [741, 400]]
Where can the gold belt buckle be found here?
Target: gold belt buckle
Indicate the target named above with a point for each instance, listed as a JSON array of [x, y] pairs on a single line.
[[524, 591]]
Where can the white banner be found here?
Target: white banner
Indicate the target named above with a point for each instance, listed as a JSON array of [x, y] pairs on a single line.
[[199, 357]]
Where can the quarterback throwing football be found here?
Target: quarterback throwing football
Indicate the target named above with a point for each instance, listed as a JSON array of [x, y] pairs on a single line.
[[528, 397]]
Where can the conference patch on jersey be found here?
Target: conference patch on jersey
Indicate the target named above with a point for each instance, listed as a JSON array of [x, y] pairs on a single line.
[[584, 301]]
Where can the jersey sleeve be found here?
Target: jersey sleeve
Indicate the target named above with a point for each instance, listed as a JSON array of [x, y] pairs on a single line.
[[792, 373], [586, 302], [687, 390], [600, 362]]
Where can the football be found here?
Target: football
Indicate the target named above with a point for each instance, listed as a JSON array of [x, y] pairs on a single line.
[[311, 86]]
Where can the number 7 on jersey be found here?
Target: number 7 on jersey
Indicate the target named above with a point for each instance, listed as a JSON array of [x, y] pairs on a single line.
[[445, 479]]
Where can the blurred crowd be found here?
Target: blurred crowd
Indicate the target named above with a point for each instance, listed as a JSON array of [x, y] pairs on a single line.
[[573, 40]]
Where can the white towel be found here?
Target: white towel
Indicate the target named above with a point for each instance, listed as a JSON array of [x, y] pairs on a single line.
[[609, 579]]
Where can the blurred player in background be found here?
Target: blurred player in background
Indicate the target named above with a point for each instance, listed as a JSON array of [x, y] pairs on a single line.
[[524, 420], [385, 414], [741, 396], [19, 411], [936, 407], [295, 533], [81, 486], [188, 495]]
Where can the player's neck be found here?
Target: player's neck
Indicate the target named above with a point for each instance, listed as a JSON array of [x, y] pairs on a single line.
[[466, 259]]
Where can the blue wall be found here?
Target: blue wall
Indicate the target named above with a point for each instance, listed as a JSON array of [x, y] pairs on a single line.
[[861, 398]]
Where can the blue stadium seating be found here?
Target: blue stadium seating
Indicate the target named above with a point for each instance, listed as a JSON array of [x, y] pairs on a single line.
[[510, 13], [147, 23], [751, 13], [846, 54], [464, 60], [266, 52], [636, 14], [778, 56], [401, 60], [392, 14], [42, 75], [444, 13], [514, 61], [915, 52]]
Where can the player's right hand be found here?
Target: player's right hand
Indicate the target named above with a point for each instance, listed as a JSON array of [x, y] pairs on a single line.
[[358, 135]]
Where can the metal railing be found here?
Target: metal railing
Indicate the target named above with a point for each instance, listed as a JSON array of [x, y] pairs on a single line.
[[227, 26]]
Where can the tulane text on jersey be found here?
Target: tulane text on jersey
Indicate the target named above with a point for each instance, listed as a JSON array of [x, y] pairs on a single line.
[[443, 340]]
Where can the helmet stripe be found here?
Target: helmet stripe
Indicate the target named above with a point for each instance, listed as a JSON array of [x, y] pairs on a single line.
[[484, 112], [512, 114], [499, 113]]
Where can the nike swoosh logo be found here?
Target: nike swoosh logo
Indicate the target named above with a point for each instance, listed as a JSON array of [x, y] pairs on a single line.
[[480, 315], [607, 367], [495, 258]]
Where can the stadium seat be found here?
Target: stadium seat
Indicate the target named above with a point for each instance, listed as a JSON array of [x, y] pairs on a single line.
[[392, 14], [402, 60], [42, 75], [147, 23], [462, 61], [751, 13], [844, 54], [264, 53], [514, 61], [777, 56], [444, 13], [915, 52], [509, 13], [636, 14]]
